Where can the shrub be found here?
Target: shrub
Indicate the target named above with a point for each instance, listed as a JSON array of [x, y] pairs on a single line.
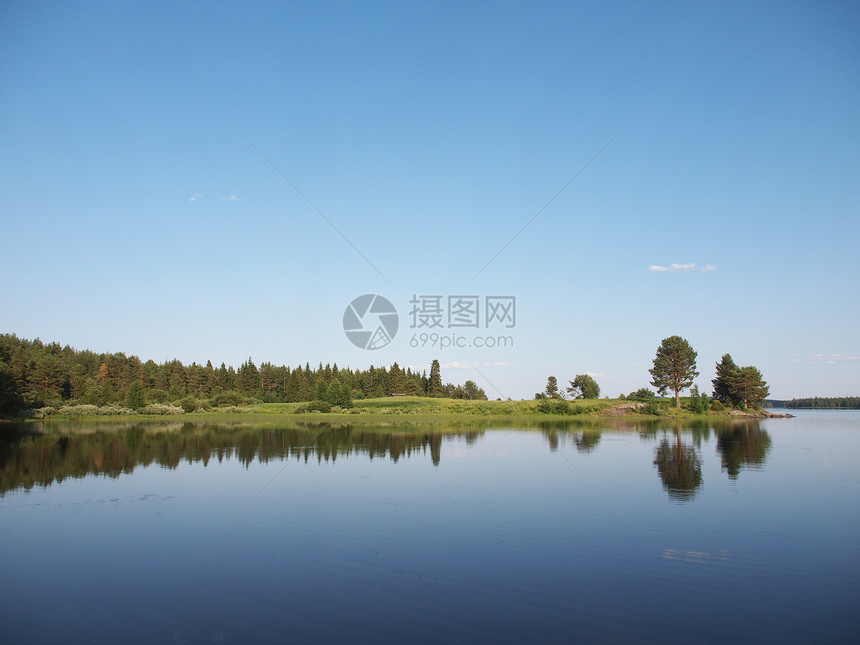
[[553, 406], [160, 408], [319, 406], [37, 413], [655, 407], [189, 403], [695, 405], [717, 406], [228, 398], [78, 410], [114, 410]]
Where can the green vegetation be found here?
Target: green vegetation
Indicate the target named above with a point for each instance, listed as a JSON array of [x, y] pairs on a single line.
[[426, 407], [739, 386], [583, 386], [39, 381], [698, 403], [48, 378], [642, 394], [674, 367], [551, 390], [825, 403]]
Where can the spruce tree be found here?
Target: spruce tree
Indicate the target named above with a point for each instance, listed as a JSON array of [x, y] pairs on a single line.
[[726, 372]]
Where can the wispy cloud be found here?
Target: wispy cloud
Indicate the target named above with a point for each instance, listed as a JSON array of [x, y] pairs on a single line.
[[226, 198], [672, 267], [832, 359], [457, 365], [680, 267]]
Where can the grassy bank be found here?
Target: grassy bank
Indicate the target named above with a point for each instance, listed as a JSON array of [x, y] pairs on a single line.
[[413, 407]]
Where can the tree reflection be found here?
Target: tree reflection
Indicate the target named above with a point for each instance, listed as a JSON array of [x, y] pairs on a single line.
[[742, 445], [28, 460], [679, 467], [586, 441], [585, 435]]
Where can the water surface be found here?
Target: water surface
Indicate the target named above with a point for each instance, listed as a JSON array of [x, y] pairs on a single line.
[[557, 532]]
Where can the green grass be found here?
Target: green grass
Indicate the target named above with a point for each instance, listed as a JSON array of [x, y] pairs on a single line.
[[423, 409], [426, 406]]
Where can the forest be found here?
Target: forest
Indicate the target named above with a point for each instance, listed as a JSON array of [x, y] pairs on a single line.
[[34, 375], [824, 403]]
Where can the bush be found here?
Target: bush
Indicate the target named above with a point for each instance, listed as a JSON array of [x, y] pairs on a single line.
[[717, 406], [189, 404], [313, 406], [114, 410], [553, 406], [37, 413], [79, 410], [160, 408], [642, 394], [655, 407], [695, 405], [228, 398]]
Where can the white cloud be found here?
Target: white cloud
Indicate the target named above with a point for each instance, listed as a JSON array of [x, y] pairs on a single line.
[[457, 365], [832, 359], [227, 198], [672, 267], [710, 267]]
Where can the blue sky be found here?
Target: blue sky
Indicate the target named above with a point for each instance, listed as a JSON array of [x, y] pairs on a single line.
[[137, 217]]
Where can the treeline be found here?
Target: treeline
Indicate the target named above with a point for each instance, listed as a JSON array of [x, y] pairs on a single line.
[[825, 403], [34, 374]]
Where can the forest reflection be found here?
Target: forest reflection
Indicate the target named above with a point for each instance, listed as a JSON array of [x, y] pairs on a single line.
[[38, 455]]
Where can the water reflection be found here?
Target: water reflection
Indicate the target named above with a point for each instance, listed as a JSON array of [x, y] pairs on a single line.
[[742, 445], [583, 440], [679, 467], [30, 459], [41, 454]]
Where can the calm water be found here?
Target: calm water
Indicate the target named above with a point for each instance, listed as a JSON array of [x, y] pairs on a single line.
[[475, 533]]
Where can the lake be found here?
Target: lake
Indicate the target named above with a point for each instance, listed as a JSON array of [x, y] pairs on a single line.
[[457, 532]]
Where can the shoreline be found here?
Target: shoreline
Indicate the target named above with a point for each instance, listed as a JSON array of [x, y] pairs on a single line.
[[256, 414]]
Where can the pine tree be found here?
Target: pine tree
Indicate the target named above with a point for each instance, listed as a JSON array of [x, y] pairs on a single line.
[[749, 387], [674, 367]]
